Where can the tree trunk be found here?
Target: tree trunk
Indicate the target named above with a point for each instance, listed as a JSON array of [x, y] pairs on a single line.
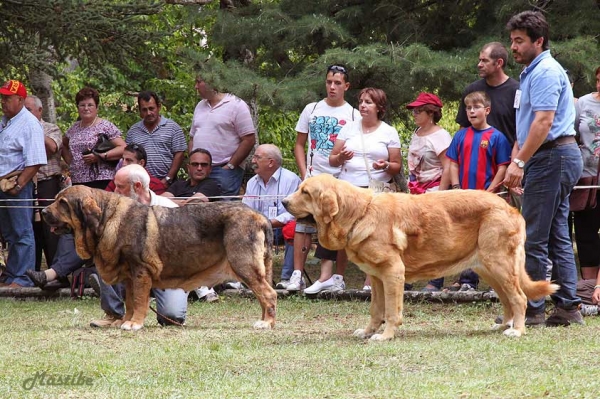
[[41, 86]]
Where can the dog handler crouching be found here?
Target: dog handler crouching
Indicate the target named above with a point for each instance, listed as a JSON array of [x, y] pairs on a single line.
[[133, 181]]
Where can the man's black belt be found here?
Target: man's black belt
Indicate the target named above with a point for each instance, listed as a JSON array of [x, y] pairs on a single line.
[[562, 140]]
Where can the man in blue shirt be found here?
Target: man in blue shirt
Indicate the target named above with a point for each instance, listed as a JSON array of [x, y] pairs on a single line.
[[22, 152], [548, 161], [264, 193]]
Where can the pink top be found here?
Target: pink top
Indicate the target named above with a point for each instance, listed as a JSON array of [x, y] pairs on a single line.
[[219, 129], [83, 139]]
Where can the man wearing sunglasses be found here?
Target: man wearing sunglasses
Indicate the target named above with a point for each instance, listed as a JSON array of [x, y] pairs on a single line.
[[198, 188]]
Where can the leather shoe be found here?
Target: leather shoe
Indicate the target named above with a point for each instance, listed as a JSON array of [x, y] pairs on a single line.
[[39, 278], [57, 284], [14, 285]]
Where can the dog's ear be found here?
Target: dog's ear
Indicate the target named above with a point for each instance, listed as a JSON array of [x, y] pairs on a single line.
[[329, 206], [91, 213]]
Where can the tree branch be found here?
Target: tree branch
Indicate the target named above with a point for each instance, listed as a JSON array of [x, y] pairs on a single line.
[[188, 2]]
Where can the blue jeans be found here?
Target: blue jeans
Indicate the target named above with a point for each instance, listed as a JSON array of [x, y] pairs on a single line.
[[66, 260], [288, 254], [229, 180], [16, 226], [171, 303], [549, 178]]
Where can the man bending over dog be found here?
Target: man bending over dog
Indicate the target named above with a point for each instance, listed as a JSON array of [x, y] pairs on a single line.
[[133, 181], [149, 247]]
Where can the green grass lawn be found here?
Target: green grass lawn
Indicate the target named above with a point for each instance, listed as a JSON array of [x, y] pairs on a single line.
[[442, 351]]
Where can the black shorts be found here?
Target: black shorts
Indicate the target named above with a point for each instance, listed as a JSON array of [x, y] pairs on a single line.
[[324, 253], [587, 224]]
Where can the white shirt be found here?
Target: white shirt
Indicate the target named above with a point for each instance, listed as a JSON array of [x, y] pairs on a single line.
[[323, 123], [376, 146], [161, 201], [280, 185]]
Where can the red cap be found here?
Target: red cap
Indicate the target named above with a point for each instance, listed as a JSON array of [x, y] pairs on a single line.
[[425, 98], [13, 87]]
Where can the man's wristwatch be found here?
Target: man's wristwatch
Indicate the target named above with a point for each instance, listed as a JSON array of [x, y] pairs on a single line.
[[169, 180], [18, 187], [519, 163], [230, 166]]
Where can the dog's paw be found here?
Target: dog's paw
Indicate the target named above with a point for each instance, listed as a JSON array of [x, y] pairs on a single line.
[[499, 327], [511, 332], [380, 337], [361, 333], [262, 325], [131, 326]]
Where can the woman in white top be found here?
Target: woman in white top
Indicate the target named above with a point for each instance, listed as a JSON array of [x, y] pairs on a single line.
[[368, 143], [369, 147]]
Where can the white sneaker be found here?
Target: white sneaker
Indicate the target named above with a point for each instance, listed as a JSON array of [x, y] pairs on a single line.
[[212, 296], [236, 285], [206, 294], [589, 310], [333, 284], [283, 284], [297, 282], [202, 292], [367, 288]]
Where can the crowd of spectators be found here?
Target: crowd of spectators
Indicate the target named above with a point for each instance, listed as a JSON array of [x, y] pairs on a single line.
[[528, 136]]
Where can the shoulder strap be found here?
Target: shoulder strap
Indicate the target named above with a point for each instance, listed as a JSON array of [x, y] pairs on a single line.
[[315, 107], [362, 139]]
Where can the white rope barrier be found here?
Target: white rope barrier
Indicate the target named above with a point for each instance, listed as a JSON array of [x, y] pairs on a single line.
[[252, 197]]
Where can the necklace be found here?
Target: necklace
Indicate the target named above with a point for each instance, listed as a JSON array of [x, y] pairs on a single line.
[[372, 128], [90, 125]]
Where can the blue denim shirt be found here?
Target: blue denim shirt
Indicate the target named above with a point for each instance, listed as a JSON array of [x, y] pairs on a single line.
[[21, 142], [545, 86]]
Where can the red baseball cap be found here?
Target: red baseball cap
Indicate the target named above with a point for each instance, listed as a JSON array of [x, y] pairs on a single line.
[[13, 87], [425, 98]]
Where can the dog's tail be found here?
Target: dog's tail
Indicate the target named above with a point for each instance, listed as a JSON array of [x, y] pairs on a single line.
[[536, 289]]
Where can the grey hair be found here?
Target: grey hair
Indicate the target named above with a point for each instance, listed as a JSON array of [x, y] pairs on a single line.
[[37, 101], [137, 173], [273, 152]]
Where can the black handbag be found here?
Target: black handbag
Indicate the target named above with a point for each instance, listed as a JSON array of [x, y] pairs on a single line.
[[104, 145]]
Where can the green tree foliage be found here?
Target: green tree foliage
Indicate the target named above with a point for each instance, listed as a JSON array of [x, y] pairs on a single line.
[[273, 53], [96, 33]]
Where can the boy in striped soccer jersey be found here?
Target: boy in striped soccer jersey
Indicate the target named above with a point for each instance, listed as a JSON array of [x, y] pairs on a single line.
[[480, 153], [479, 156]]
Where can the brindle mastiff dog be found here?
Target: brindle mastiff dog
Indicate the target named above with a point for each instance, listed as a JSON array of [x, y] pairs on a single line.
[[187, 247], [400, 237]]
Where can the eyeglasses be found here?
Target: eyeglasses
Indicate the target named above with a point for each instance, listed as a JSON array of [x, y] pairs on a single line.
[[86, 105], [337, 68], [259, 157], [417, 111], [134, 147], [201, 164], [474, 108]]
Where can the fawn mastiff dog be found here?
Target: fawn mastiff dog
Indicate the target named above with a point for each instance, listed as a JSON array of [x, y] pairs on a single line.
[[199, 244], [400, 237]]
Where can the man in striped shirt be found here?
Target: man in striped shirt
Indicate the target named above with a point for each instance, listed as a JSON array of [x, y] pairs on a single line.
[[162, 138]]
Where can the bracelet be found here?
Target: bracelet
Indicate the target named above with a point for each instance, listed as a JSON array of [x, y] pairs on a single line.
[[597, 286], [387, 167], [455, 186]]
